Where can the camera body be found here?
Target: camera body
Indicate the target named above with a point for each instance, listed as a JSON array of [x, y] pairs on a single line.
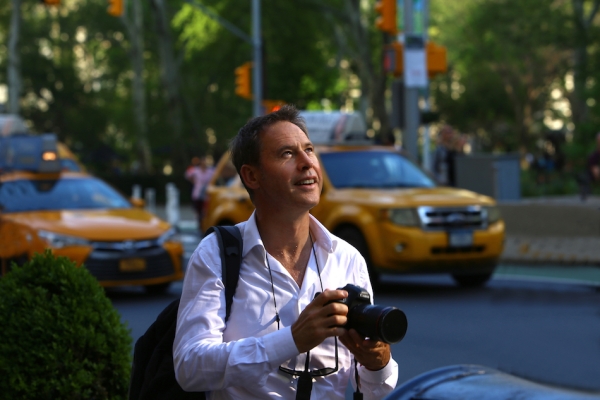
[[356, 296], [387, 324]]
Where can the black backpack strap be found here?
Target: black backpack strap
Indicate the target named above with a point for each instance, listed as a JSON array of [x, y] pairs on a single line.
[[230, 244], [153, 374]]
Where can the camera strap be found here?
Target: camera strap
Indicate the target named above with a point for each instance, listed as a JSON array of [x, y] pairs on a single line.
[[304, 382], [357, 394]]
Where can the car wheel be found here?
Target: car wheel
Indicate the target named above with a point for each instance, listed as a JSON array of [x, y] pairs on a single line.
[[354, 236], [474, 280], [161, 288]]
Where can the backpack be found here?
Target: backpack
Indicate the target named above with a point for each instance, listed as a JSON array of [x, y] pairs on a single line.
[[153, 372]]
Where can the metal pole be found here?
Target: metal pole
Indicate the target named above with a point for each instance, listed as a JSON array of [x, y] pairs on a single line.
[[411, 96], [258, 67], [14, 60], [426, 153]]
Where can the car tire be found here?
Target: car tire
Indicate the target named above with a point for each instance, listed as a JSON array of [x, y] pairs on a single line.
[[474, 280], [355, 237], [161, 288]]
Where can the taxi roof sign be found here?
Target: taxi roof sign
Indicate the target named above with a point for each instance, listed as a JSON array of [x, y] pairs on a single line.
[[37, 153]]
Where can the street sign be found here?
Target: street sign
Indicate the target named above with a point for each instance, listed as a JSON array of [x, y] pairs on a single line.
[[415, 64]]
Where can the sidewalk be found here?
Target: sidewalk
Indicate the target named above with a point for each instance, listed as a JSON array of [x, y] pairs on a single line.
[[560, 230]]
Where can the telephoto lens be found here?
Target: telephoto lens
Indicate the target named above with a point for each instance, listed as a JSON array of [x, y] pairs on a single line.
[[387, 324]]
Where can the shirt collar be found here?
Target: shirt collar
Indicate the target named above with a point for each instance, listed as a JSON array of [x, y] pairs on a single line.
[[251, 236]]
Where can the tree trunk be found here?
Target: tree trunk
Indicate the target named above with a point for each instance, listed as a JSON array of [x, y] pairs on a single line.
[[14, 60], [136, 54], [352, 34], [579, 108], [170, 79]]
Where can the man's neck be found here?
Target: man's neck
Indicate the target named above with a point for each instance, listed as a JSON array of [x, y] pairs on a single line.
[[287, 240]]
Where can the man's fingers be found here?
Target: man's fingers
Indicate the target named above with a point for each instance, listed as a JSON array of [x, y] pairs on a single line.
[[330, 295]]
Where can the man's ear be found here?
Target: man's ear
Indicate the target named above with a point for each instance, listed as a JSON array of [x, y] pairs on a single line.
[[249, 175]]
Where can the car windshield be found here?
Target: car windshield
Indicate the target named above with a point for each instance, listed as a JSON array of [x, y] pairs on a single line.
[[59, 194], [373, 169]]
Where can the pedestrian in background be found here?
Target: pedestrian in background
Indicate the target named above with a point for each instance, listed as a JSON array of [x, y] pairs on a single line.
[[448, 146], [592, 171], [199, 174]]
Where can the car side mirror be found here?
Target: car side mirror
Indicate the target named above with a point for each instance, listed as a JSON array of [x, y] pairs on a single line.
[[137, 202]]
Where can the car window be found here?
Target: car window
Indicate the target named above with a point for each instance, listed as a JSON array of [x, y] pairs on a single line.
[[373, 169], [227, 176], [59, 194]]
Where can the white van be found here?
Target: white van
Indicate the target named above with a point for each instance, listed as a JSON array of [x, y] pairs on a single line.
[[329, 127]]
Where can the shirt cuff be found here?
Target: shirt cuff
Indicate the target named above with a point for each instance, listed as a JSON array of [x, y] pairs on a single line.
[[379, 376], [280, 346]]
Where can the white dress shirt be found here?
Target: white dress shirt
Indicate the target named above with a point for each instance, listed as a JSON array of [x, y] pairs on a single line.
[[241, 359]]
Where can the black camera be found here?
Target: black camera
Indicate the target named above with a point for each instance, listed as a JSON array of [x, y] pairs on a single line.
[[387, 324]]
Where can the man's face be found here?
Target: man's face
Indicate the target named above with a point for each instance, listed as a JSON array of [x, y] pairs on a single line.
[[289, 174]]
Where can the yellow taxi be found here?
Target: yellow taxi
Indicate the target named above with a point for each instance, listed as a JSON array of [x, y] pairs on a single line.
[[390, 210], [81, 217]]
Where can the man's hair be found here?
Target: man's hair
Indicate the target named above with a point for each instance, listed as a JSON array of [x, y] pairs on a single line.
[[245, 146]]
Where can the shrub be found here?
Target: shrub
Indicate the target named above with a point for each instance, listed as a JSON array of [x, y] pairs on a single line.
[[61, 336]]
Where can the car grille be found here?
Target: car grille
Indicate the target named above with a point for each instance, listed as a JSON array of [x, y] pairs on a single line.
[[438, 218], [457, 250], [103, 262]]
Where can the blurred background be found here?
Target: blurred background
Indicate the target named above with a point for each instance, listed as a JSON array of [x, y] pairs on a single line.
[[139, 87]]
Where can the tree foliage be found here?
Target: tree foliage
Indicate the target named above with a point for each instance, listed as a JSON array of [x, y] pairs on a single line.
[[518, 70]]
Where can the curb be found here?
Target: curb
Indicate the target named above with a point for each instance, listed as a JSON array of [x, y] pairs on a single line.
[[551, 250]]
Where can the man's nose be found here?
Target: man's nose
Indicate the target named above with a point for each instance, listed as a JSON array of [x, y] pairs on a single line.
[[306, 162]]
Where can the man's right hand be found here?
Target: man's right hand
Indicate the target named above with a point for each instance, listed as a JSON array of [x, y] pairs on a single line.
[[322, 318]]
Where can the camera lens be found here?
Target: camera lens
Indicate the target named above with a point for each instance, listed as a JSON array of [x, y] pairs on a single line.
[[392, 325], [387, 324]]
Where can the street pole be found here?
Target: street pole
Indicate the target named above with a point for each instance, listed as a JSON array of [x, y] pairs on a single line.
[[14, 60], [411, 94], [258, 67], [426, 162]]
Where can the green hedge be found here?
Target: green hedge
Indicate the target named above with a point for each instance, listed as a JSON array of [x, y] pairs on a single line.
[[61, 336]]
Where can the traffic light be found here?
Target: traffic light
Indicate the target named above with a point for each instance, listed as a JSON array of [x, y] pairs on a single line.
[[243, 80], [436, 59], [393, 61], [115, 8], [386, 21], [272, 105], [435, 54], [51, 2]]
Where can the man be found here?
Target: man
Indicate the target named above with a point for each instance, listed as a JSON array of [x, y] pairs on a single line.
[[280, 325]]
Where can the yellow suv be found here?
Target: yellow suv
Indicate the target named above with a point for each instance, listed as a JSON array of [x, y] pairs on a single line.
[[390, 210]]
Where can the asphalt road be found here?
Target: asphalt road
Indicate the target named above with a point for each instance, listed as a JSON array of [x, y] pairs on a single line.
[[544, 330]]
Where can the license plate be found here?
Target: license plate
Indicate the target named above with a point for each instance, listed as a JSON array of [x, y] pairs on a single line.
[[132, 265], [460, 239]]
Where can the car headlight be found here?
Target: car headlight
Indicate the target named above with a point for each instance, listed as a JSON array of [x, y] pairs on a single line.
[[58, 241], [168, 236], [493, 214], [403, 216]]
